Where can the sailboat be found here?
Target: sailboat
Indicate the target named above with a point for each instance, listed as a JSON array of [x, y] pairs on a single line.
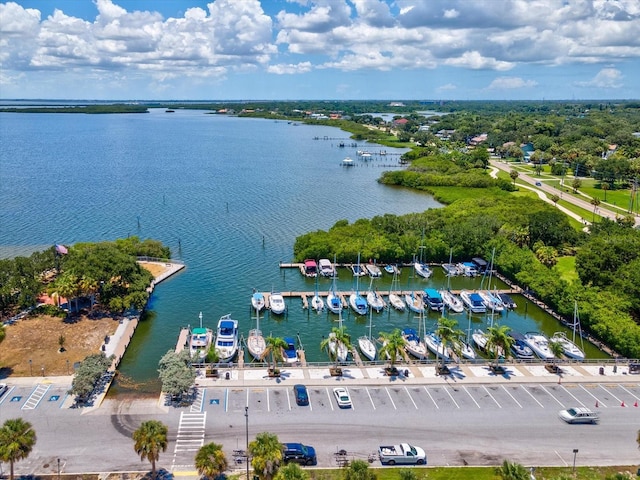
[[366, 343], [451, 301], [256, 343], [569, 347], [464, 346], [374, 300], [422, 268], [200, 340], [334, 303], [358, 302], [412, 341], [414, 302], [338, 348], [394, 299], [317, 303]]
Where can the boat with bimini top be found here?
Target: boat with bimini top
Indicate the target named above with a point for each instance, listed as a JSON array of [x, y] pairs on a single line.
[[226, 344]]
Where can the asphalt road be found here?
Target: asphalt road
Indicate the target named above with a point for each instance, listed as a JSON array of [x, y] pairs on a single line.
[[456, 424]]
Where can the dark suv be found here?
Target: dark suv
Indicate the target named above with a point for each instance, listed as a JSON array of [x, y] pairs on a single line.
[[299, 453]]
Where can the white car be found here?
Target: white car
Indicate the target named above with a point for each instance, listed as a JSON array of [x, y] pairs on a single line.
[[342, 397], [3, 388], [578, 415]]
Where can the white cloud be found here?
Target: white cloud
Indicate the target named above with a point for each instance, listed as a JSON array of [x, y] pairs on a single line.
[[605, 78], [510, 83], [475, 61], [451, 13], [447, 87], [282, 69]]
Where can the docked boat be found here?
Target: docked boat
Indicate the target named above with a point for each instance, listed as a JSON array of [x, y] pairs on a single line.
[[277, 304], [256, 343], [450, 269], [539, 343], [338, 349], [468, 269], [290, 353], [366, 343], [374, 270], [347, 162], [434, 344], [317, 302], [310, 268], [257, 301], [413, 345], [465, 349], [491, 301], [433, 299], [374, 299], [200, 340], [227, 339], [394, 299], [473, 301], [451, 302], [423, 269], [480, 339], [357, 270], [569, 348], [326, 268], [414, 302], [519, 347], [392, 269], [334, 302], [357, 302], [507, 301]]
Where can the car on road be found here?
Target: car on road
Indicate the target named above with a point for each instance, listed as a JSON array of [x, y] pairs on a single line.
[[301, 394], [3, 388], [538, 184], [578, 415], [342, 397], [299, 453]]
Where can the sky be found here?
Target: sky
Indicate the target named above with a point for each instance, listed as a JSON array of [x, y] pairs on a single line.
[[320, 49]]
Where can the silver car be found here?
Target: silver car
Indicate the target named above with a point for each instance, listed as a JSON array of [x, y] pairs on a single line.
[[578, 415]]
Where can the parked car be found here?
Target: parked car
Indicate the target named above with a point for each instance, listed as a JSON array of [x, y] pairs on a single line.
[[342, 397], [300, 392], [579, 415], [3, 388], [299, 453]]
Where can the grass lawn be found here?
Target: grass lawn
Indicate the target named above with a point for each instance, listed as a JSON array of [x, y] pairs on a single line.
[[566, 268]]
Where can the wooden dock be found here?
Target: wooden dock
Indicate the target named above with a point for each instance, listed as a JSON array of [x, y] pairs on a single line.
[[182, 339]]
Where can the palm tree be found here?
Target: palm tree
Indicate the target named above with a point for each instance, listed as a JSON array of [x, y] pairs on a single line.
[[512, 471], [392, 346], [337, 336], [266, 455], [273, 351], [88, 286], [17, 438], [596, 203], [514, 175], [499, 343], [211, 461], [558, 351], [150, 439], [3, 333], [448, 333], [291, 471], [605, 187]]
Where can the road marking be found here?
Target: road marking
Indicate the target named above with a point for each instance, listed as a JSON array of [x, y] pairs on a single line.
[[571, 394], [391, 399], [629, 392], [552, 396], [226, 400], [618, 399], [598, 401], [531, 395], [451, 397], [329, 397], [492, 397], [470, 396], [411, 398], [268, 401], [512, 397], [198, 403], [36, 396], [434, 402], [190, 438], [370, 399], [352, 406]]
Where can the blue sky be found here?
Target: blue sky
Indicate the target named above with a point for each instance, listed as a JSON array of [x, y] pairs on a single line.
[[320, 49]]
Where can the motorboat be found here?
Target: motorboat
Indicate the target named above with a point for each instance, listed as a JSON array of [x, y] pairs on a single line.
[[392, 269], [413, 345], [433, 299], [414, 302], [366, 344], [507, 301], [465, 349], [256, 343], [277, 304], [451, 302], [226, 344], [519, 347], [200, 340], [347, 162], [569, 348], [480, 339], [373, 270], [468, 269], [257, 301], [357, 270], [310, 268], [450, 269], [423, 269], [473, 301], [326, 268], [434, 343], [539, 343], [290, 353], [491, 301]]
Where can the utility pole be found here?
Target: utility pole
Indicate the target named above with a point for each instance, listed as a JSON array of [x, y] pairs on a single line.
[[246, 417]]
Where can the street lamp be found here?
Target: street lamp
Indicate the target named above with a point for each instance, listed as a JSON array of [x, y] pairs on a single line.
[[246, 417], [30, 368], [575, 452], [58, 469]]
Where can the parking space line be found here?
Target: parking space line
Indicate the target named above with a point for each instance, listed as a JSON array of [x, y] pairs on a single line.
[[353, 407], [370, 399], [329, 397], [572, 395], [451, 397], [268, 402], [471, 396], [629, 392], [411, 398], [512, 397], [226, 400], [531, 395], [492, 397], [434, 402], [552, 396], [617, 399], [391, 399], [598, 401], [247, 404]]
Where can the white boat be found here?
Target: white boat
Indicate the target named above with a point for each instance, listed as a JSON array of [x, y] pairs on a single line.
[[366, 344], [433, 299], [227, 338], [337, 348], [473, 301], [334, 302], [290, 353], [414, 302], [347, 162], [374, 270], [491, 301], [452, 302], [326, 268], [375, 301], [277, 304], [392, 269], [450, 269], [465, 349], [317, 302], [539, 343], [394, 299], [569, 348], [434, 343], [357, 270], [519, 347], [423, 269], [357, 302], [413, 345], [200, 340], [480, 339], [257, 301], [468, 269], [256, 343]]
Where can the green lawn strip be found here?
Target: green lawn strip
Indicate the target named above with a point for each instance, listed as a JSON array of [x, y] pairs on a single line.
[[566, 268]]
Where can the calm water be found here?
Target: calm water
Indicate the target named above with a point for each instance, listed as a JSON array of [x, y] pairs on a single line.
[[228, 195]]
